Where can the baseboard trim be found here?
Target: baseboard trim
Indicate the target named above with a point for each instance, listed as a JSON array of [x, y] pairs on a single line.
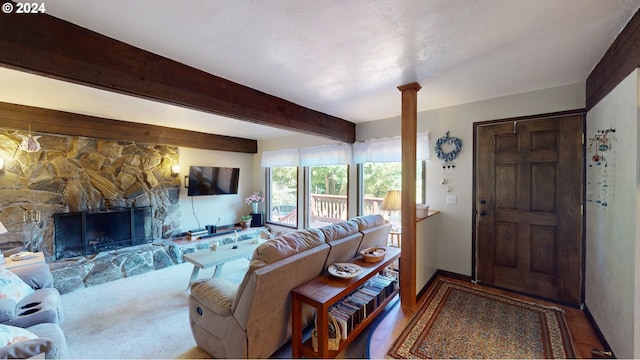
[[440, 272], [598, 332], [457, 276]]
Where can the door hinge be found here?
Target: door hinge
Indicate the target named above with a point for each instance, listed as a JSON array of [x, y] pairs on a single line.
[[583, 139], [581, 209]]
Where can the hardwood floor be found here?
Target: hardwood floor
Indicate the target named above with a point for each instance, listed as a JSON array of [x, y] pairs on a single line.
[[388, 329]]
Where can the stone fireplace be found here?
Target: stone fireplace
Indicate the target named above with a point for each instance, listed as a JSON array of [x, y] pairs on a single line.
[[88, 182]]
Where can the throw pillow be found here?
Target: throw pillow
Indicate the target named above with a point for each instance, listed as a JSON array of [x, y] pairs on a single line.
[[12, 287], [12, 334]]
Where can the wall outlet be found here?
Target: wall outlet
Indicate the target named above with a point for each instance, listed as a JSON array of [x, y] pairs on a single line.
[[452, 199]]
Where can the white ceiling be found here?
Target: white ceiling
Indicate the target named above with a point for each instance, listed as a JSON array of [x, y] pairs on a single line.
[[343, 58]]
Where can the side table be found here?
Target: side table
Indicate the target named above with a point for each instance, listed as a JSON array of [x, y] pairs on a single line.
[[36, 258], [324, 291]]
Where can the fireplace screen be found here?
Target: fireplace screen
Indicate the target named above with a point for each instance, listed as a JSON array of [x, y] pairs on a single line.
[[81, 234]]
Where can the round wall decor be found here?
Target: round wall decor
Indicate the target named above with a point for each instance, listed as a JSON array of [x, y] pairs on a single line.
[[447, 140]]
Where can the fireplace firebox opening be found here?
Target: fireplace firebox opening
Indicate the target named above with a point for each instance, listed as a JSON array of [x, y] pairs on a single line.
[[88, 233]]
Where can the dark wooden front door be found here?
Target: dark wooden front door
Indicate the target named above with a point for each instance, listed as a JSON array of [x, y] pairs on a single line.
[[529, 190]]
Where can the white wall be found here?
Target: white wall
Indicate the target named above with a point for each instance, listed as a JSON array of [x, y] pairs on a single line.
[[636, 284], [453, 230], [426, 250], [455, 221], [208, 208], [611, 233]]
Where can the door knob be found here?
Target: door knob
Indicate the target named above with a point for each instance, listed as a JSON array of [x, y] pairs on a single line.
[[483, 213], [483, 201]]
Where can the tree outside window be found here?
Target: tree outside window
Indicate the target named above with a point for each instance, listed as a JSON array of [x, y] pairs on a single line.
[[283, 191], [379, 177]]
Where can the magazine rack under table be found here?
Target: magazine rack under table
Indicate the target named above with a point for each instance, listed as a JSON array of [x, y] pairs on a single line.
[[326, 290]]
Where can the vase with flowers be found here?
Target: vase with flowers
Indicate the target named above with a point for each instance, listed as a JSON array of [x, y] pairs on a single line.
[[253, 200]]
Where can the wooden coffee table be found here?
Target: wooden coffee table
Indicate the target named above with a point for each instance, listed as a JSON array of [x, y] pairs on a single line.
[[205, 259]]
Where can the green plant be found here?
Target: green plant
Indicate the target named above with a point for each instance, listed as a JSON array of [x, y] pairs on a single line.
[[245, 217]]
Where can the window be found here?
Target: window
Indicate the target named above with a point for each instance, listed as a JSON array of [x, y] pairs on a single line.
[[379, 177], [328, 188], [282, 203]]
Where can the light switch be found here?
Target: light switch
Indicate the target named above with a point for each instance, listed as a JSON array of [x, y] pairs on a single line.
[[452, 199]]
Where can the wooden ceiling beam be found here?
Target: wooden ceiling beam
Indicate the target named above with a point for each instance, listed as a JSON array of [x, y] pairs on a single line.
[[622, 57], [20, 117], [48, 46]]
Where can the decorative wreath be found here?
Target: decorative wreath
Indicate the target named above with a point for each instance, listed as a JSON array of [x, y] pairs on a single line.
[[450, 156]]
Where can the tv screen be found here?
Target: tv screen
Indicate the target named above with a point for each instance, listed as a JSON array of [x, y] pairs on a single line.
[[211, 180]]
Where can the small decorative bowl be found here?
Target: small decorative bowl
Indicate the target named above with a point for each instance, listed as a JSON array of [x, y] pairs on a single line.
[[373, 254]]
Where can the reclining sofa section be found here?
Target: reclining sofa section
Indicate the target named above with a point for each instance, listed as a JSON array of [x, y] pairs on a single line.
[[253, 319]]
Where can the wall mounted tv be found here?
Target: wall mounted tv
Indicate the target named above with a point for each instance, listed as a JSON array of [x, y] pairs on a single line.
[[211, 180]]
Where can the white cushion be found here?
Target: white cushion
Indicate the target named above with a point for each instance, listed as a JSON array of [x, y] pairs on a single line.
[[12, 334], [12, 287]]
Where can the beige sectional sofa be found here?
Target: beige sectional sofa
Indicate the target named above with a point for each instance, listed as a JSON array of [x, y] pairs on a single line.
[[253, 319]]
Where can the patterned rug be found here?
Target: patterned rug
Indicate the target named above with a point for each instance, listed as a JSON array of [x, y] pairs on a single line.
[[459, 321]]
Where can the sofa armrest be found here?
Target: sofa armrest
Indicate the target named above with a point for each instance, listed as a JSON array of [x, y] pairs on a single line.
[[7, 310], [216, 294], [50, 342], [38, 276], [26, 349]]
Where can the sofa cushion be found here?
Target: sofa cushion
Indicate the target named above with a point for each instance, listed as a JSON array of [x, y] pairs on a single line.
[[368, 221], [12, 287], [344, 239], [286, 245], [12, 335], [374, 229], [338, 231], [7, 310]]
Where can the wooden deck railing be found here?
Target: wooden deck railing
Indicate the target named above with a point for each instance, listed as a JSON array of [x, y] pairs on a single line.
[[331, 209]]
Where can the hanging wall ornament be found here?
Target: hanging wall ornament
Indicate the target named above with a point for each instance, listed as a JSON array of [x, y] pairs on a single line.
[[600, 144], [451, 155], [600, 181], [29, 142]]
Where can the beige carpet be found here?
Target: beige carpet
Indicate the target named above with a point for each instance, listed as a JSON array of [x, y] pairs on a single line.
[[141, 317], [146, 317]]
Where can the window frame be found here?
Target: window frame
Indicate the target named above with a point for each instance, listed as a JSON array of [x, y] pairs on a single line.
[[269, 197], [307, 192], [360, 186]]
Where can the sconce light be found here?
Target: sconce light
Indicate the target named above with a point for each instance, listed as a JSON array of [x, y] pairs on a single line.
[[175, 170], [1, 166]]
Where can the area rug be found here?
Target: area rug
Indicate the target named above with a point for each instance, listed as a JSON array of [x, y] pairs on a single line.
[[459, 321]]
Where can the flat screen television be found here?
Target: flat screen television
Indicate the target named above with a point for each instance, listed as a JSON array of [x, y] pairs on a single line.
[[211, 180]]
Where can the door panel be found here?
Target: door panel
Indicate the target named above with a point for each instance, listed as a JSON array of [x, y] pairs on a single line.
[[529, 226]]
